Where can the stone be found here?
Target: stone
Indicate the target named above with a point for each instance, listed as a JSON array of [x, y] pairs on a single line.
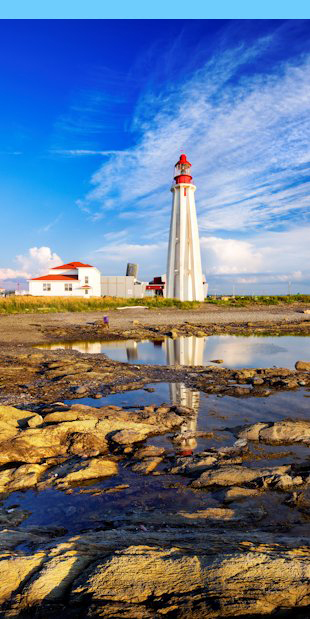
[[252, 432], [302, 365], [21, 478], [216, 360], [286, 432], [85, 470], [149, 451], [235, 476], [303, 499], [79, 390], [237, 493], [163, 409], [14, 570], [35, 421], [56, 575], [127, 437], [146, 466]]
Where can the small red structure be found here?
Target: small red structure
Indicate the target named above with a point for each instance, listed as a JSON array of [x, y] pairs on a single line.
[[182, 169], [158, 285]]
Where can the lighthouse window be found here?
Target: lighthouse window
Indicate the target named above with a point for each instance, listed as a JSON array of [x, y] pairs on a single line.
[[86, 291], [46, 287], [86, 279], [68, 287]]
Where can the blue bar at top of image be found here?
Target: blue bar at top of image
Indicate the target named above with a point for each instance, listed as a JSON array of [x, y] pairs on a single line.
[[140, 9]]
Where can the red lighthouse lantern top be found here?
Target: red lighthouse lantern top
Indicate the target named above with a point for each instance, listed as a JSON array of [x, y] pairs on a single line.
[[182, 170]]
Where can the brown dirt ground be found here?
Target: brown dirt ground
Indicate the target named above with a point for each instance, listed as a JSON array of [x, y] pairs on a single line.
[[26, 328]]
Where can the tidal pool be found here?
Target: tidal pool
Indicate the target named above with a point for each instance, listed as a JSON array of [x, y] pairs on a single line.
[[126, 497], [216, 417], [236, 351]]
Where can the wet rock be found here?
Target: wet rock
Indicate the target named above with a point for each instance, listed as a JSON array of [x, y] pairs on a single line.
[[79, 390], [127, 437], [286, 432], [35, 421], [237, 493], [15, 570], [21, 478], [216, 360], [184, 410], [12, 518], [85, 470], [303, 499], [240, 391], [163, 409], [87, 444], [235, 476], [286, 482], [252, 433], [173, 334], [149, 451], [148, 465], [302, 365], [12, 419], [243, 375]]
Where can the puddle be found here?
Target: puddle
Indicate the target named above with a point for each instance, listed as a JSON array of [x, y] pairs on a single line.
[[84, 509], [236, 351], [95, 505], [214, 415]]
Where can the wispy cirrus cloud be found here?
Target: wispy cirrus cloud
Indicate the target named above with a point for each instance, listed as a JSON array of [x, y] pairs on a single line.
[[246, 130]]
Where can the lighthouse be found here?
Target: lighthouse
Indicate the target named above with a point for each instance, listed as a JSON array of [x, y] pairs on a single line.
[[184, 273]]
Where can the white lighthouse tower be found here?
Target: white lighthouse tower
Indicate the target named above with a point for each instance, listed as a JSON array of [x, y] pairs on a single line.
[[184, 274]]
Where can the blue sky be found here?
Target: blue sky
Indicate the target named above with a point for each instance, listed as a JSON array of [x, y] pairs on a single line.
[[95, 114]]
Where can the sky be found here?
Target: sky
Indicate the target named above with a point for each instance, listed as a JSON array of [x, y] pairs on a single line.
[[94, 115]]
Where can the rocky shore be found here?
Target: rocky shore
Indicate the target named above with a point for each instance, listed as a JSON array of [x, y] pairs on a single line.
[[101, 516]]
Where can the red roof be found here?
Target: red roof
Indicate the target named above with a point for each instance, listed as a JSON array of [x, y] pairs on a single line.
[[73, 265], [57, 277]]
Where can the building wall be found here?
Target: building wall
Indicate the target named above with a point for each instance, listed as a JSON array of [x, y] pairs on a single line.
[[57, 289], [94, 280], [122, 286]]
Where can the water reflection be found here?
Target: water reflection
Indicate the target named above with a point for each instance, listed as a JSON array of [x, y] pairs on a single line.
[[186, 351], [236, 351]]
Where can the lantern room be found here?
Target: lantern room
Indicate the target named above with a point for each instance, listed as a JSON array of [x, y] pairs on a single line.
[[182, 170]]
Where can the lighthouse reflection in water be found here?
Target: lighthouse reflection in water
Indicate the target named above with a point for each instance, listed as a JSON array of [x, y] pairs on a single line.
[[185, 351]]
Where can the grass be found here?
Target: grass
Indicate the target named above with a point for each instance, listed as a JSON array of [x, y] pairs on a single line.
[[29, 304], [261, 300]]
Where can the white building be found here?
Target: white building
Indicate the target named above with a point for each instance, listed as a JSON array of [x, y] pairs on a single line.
[[74, 279], [184, 274]]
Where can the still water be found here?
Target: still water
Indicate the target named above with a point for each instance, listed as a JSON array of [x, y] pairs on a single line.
[[215, 424], [216, 418], [235, 351]]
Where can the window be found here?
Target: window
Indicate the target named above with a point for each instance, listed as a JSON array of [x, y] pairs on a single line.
[[86, 291], [86, 279], [46, 287], [68, 287]]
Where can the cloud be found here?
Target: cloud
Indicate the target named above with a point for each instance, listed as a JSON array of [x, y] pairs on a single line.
[[227, 256], [114, 256], [37, 261], [83, 152], [244, 123], [51, 224], [247, 137]]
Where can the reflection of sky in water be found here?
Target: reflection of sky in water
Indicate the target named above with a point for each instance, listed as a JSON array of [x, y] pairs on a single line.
[[236, 351]]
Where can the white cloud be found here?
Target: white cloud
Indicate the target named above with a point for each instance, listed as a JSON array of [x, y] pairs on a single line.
[[245, 137], [37, 261], [227, 256]]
